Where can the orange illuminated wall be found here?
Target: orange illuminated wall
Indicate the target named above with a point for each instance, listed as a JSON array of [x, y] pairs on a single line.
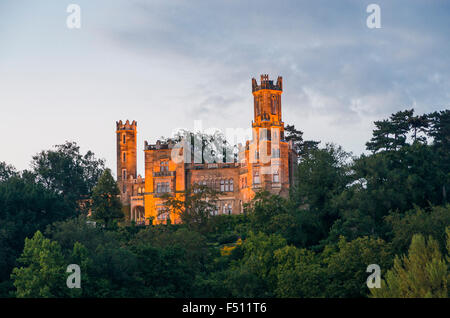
[[126, 157]]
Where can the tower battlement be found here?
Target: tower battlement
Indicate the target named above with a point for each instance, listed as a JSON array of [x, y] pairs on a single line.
[[265, 83], [127, 126]]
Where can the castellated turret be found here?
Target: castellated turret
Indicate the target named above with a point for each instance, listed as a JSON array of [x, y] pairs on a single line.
[[267, 84], [126, 135], [267, 101]]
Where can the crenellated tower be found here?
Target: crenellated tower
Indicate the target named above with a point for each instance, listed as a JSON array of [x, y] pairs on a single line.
[[126, 134], [268, 152], [267, 102]]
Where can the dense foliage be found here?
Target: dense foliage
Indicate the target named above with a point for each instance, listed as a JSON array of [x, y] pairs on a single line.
[[389, 208]]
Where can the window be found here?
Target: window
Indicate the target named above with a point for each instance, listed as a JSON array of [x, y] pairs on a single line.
[[222, 185], [162, 187], [124, 188], [256, 179], [124, 174], [231, 185], [274, 134], [227, 188], [124, 157], [256, 155], [276, 177], [164, 165], [274, 104], [275, 152], [124, 139]]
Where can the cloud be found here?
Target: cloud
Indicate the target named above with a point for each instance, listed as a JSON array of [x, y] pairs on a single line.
[[168, 63]]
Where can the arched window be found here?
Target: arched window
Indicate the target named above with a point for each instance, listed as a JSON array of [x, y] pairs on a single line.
[[274, 105], [274, 134], [227, 186], [231, 185], [124, 156], [275, 152], [222, 185]]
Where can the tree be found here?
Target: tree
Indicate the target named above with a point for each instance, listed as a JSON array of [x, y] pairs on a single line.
[[68, 172], [211, 148], [256, 268], [25, 207], [42, 273], [440, 132], [301, 147], [320, 177], [381, 139], [347, 263], [390, 134], [440, 128], [299, 273], [422, 273], [385, 182], [272, 214], [419, 124], [426, 221], [400, 124], [194, 207], [6, 171], [106, 205]]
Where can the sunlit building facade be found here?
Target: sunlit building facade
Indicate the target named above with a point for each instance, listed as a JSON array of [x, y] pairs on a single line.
[[264, 163]]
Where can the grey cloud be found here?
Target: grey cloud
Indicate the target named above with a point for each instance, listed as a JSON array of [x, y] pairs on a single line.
[[332, 63]]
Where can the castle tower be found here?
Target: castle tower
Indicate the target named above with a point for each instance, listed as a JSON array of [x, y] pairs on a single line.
[[268, 152], [267, 101], [126, 157]]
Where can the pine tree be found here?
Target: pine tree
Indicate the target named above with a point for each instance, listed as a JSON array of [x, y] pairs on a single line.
[[400, 123], [302, 148], [381, 139], [421, 274], [419, 124]]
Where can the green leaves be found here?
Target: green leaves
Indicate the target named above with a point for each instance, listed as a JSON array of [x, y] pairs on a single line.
[[68, 172], [106, 205], [42, 273], [422, 273]]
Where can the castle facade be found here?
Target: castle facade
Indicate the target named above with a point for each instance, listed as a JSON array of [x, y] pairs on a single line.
[[265, 163]]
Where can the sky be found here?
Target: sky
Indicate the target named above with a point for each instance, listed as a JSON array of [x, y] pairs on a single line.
[[169, 63]]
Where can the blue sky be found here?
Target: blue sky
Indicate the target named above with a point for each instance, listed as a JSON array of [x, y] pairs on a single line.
[[167, 63]]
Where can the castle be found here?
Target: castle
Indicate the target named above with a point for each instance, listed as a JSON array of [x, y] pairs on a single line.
[[265, 162]]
